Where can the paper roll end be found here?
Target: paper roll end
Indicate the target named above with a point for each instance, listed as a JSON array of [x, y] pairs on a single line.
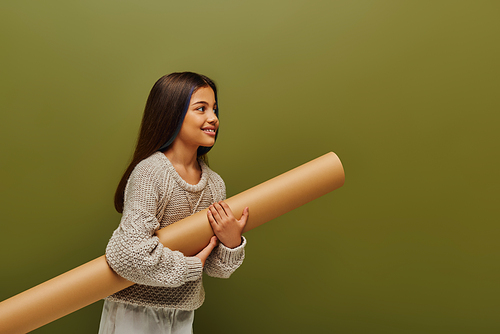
[[337, 168]]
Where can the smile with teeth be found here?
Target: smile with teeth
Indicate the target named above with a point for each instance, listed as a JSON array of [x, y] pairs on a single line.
[[209, 131]]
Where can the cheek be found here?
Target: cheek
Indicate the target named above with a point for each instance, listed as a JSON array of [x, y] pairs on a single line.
[[192, 122]]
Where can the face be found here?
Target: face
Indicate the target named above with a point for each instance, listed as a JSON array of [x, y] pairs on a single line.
[[200, 124]]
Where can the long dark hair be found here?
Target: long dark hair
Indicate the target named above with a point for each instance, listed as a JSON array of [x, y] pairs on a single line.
[[163, 115]]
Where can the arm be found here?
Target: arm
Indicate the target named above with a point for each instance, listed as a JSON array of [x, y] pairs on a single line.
[[134, 251], [230, 253]]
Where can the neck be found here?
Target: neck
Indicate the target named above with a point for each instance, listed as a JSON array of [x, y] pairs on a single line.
[[182, 156]]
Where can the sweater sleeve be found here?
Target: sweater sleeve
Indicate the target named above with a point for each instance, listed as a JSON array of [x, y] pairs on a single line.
[[223, 261], [134, 251]]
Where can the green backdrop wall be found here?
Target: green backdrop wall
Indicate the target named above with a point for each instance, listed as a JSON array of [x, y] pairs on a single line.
[[405, 92]]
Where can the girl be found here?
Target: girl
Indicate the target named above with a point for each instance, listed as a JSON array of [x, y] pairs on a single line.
[[168, 180]]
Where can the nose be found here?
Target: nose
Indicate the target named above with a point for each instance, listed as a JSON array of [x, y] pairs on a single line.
[[212, 118]]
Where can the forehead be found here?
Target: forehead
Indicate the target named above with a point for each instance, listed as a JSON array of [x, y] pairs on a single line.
[[203, 94]]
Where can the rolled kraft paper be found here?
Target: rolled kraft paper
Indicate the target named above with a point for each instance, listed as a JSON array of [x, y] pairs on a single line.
[[95, 280], [59, 296], [265, 201]]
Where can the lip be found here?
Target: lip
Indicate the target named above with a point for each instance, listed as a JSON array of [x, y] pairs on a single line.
[[209, 131]]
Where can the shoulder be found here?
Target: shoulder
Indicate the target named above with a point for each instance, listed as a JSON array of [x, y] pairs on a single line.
[[153, 166], [151, 172]]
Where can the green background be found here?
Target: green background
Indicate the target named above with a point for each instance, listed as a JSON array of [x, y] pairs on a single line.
[[405, 92]]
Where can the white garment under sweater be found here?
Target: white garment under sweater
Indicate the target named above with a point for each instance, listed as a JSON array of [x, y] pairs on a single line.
[[121, 318]]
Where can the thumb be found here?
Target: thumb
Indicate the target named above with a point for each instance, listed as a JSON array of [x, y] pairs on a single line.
[[205, 252], [244, 216], [213, 242]]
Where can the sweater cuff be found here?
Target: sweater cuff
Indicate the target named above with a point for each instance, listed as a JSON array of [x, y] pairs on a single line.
[[228, 255], [194, 268]]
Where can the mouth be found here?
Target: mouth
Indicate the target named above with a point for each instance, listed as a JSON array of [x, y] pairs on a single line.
[[209, 131]]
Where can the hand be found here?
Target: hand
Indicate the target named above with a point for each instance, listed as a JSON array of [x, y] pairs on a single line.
[[205, 252], [226, 227]]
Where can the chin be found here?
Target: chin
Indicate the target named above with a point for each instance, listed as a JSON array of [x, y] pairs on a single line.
[[207, 144]]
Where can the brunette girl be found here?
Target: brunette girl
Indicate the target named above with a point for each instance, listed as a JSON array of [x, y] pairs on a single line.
[[168, 180]]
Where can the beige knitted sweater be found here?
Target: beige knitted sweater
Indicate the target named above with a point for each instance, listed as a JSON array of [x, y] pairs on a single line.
[[156, 196]]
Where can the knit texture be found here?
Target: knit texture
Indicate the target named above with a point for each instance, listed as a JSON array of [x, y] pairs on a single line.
[[156, 196]]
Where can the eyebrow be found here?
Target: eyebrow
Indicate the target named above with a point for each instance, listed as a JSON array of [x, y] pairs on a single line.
[[202, 102]]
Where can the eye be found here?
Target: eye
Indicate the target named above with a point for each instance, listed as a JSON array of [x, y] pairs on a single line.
[[202, 108]]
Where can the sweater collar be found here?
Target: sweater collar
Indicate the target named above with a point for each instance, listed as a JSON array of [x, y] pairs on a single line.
[[181, 182]]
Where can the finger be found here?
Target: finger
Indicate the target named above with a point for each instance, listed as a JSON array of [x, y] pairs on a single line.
[[213, 241], [210, 216], [208, 248], [220, 209], [227, 209], [212, 220], [215, 213], [203, 254]]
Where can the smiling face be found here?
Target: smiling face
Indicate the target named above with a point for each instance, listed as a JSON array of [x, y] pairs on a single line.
[[200, 123]]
